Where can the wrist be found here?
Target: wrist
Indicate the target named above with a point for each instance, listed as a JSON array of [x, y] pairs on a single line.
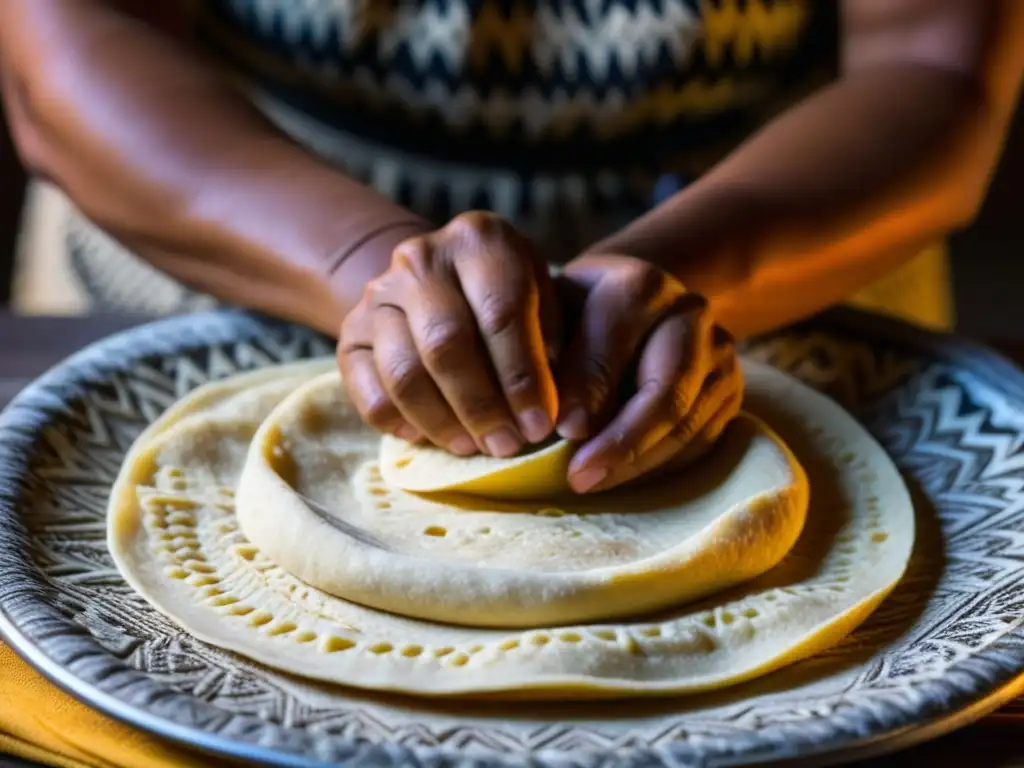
[[314, 235], [363, 257]]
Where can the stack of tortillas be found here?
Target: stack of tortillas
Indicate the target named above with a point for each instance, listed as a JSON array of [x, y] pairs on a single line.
[[263, 517]]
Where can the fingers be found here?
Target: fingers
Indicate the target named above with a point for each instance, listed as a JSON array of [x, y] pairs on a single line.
[[617, 314], [689, 442], [667, 373], [499, 280], [360, 378], [704, 440], [410, 387], [690, 384], [446, 338], [454, 341], [375, 407]]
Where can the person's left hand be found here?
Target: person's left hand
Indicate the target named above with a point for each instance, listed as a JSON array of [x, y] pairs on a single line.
[[647, 377]]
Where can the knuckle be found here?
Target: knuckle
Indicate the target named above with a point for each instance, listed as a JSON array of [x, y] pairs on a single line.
[[598, 375], [619, 447], [480, 408], [519, 382], [598, 371], [414, 254], [468, 226], [402, 375], [499, 313], [640, 283], [684, 431], [478, 227], [714, 380], [379, 412], [376, 290], [439, 424], [444, 340]]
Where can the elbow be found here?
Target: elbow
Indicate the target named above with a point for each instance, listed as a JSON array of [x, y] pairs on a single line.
[[943, 212], [26, 128], [971, 157], [957, 204], [34, 116], [948, 210], [964, 211], [949, 194]]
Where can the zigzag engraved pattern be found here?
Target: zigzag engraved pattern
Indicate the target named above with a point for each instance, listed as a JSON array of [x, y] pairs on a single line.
[[949, 633]]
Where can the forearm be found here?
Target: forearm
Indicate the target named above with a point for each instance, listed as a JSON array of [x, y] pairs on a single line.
[[161, 150], [813, 208]]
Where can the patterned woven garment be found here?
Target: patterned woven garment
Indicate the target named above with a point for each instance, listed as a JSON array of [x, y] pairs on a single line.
[[564, 116], [532, 109]]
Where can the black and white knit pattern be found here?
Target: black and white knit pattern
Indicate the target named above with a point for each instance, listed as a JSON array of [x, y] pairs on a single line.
[[559, 115]]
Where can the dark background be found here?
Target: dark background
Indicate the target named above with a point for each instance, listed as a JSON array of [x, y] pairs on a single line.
[[12, 185], [988, 258], [988, 262]]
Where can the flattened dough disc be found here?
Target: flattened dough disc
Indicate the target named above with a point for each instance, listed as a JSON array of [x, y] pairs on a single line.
[[536, 474], [175, 537], [466, 560]]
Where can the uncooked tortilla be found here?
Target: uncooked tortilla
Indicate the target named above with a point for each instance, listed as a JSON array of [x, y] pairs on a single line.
[[462, 559], [175, 537], [539, 472]]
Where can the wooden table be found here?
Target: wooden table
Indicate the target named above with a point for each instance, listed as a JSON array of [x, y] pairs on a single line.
[[28, 346]]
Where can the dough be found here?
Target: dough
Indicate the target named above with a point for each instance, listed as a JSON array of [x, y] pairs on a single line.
[[175, 537], [537, 473], [239, 405], [461, 559]]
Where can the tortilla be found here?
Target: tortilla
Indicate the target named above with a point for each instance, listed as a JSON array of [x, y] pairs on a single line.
[[312, 475], [175, 536]]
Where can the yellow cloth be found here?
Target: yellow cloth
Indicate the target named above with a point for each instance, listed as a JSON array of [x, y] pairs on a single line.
[[40, 722], [919, 292]]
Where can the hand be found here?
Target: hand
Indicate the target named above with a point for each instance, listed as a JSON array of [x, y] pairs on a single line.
[[452, 343], [640, 330]]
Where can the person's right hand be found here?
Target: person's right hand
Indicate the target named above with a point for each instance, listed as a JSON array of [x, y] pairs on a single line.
[[453, 343]]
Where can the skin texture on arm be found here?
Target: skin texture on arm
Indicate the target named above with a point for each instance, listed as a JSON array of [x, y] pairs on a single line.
[[446, 334], [159, 149], [844, 187]]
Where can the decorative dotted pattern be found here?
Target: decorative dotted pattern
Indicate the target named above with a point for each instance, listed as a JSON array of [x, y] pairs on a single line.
[[189, 560]]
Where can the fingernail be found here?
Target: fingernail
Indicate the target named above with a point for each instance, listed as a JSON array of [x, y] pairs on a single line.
[[462, 446], [409, 433], [588, 479], [574, 425], [535, 424], [502, 443]]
